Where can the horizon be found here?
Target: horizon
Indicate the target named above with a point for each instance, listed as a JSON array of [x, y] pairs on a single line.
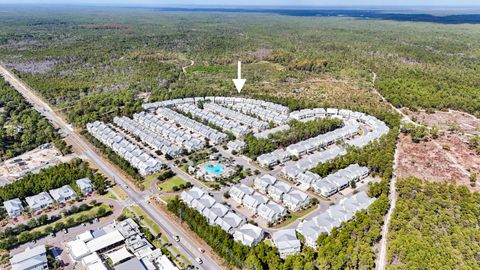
[[254, 4]]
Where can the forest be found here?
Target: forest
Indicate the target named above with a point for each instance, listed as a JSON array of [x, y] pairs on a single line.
[[298, 131], [94, 66], [53, 177], [22, 128], [434, 226]]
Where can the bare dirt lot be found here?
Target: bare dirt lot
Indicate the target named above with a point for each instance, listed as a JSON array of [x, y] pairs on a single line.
[[446, 159], [463, 122]]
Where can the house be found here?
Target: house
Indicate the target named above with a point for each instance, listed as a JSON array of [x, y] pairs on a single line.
[[189, 195], [63, 194], [267, 160], [249, 235], [287, 243], [39, 201], [93, 262], [206, 201], [277, 190], [271, 212], [325, 188], [310, 232], [253, 201], [295, 200], [261, 183], [13, 207], [229, 222], [307, 178], [31, 259], [238, 192], [85, 185], [236, 146]]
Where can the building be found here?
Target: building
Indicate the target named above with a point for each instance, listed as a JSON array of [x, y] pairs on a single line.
[[287, 243], [277, 190], [13, 207], [254, 200], [262, 183], [249, 235], [63, 194], [238, 192], [85, 185], [229, 222], [131, 264], [271, 212], [31, 259], [39, 201], [236, 146], [296, 200], [193, 194], [93, 262]]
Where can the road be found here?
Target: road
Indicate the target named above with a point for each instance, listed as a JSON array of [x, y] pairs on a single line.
[[85, 149]]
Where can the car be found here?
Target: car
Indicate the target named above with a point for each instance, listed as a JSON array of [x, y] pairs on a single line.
[[199, 260], [176, 238], [201, 250]]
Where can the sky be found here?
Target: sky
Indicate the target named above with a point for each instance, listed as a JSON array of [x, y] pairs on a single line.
[[319, 3]]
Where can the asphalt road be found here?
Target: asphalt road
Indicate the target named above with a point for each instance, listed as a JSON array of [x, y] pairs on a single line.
[[85, 149]]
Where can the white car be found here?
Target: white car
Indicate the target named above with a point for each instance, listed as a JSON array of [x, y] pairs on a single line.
[[199, 260]]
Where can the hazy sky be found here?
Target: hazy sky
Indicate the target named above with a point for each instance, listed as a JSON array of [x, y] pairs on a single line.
[[260, 2]]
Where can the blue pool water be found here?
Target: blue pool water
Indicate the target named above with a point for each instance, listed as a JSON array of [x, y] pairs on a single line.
[[215, 169]]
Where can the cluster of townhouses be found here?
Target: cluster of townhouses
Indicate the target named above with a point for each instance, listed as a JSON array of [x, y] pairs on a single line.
[[148, 136], [279, 192], [131, 152], [214, 136], [340, 180], [286, 242], [333, 217], [122, 244], [247, 120], [221, 215], [264, 134], [14, 207], [234, 126]]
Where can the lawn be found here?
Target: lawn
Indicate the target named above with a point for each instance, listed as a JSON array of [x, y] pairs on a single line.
[[120, 193], [148, 181], [294, 216], [169, 184]]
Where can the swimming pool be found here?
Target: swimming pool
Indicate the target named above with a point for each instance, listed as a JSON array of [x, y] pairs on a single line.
[[215, 169]]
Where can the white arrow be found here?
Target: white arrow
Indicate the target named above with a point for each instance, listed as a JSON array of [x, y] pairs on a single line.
[[239, 82]]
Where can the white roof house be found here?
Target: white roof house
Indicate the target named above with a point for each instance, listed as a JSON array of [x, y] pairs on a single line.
[[193, 194], [229, 222], [85, 185], [325, 188], [271, 212], [39, 201], [287, 243], [93, 262], [31, 259], [13, 207], [253, 201], [295, 200], [261, 183], [238, 192], [236, 146], [310, 232], [277, 190], [77, 249], [249, 235], [63, 194]]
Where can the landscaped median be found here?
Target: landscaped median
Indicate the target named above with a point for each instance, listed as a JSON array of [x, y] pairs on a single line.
[[44, 225]]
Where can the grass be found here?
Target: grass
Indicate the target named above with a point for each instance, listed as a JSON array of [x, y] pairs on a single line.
[[120, 193], [167, 198], [89, 212], [169, 184], [148, 181], [292, 217], [110, 195], [143, 216]]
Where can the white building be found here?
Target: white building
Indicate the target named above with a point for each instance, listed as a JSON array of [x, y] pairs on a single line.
[[31, 259], [238, 192], [39, 201], [63, 194], [271, 212], [277, 190], [189, 195], [85, 185], [13, 207], [287, 243], [249, 235], [296, 200], [262, 183]]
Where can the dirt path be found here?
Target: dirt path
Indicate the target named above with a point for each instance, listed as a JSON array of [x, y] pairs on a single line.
[[184, 69], [382, 256]]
